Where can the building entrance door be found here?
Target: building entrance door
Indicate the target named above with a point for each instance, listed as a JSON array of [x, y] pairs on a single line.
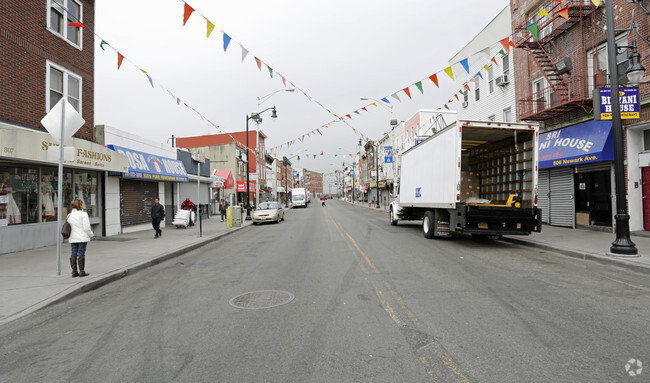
[[593, 198]]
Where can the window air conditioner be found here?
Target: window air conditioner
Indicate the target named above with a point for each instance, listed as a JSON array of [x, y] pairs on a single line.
[[465, 104], [502, 80]]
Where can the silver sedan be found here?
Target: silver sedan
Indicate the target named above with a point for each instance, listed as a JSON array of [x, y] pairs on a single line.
[[268, 212]]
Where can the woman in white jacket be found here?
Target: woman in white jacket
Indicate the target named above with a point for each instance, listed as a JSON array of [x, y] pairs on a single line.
[[79, 237]]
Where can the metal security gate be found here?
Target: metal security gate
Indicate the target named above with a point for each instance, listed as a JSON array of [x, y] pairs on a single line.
[[136, 199], [543, 194], [562, 208]]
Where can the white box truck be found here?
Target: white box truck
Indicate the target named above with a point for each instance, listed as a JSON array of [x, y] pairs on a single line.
[[299, 197], [473, 177]]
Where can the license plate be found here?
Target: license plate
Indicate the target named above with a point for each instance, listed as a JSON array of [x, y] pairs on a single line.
[[483, 225]]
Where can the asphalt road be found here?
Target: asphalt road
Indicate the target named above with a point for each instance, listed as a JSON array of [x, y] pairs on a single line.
[[371, 303]]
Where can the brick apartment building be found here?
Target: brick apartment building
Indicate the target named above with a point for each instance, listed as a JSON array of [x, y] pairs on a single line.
[[43, 59], [556, 78]]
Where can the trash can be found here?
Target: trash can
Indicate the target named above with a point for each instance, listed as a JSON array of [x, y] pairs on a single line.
[[236, 212]]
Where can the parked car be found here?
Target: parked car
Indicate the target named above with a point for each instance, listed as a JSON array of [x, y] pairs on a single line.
[[268, 212]]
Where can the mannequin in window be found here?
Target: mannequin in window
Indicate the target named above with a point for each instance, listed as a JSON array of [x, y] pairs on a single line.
[[48, 196], [10, 211]]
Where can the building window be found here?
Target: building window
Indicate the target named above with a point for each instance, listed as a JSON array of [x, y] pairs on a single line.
[[477, 89], [646, 140], [62, 13], [598, 69], [492, 118], [507, 115], [505, 65], [465, 94], [62, 82], [490, 79]]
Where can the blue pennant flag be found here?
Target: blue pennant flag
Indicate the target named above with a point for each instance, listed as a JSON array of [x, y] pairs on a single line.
[[226, 41], [479, 74], [465, 64], [385, 100]]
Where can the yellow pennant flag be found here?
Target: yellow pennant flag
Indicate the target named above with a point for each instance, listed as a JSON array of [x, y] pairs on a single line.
[[449, 72], [596, 2], [544, 13], [487, 68], [210, 28]]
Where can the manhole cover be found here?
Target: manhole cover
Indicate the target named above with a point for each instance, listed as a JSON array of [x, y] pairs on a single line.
[[261, 299]]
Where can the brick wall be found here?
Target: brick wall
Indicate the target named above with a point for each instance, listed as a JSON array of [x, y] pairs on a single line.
[[25, 46]]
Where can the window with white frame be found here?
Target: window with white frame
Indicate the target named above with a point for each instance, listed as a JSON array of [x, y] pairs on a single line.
[[465, 94], [598, 69], [490, 79], [62, 13], [507, 115], [62, 82], [505, 65], [477, 89]]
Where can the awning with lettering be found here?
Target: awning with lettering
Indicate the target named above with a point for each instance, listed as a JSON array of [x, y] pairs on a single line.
[[224, 179], [151, 167], [583, 143]]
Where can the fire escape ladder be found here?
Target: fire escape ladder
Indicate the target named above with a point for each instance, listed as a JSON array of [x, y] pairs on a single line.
[[549, 71]]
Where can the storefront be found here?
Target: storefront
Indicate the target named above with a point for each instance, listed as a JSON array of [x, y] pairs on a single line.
[[29, 184], [199, 187], [149, 176], [224, 187], [576, 175]]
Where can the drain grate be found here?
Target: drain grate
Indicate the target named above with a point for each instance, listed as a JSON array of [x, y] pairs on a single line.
[[261, 299]]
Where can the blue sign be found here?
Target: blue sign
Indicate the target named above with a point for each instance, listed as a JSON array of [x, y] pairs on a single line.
[[418, 192], [388, 154], [151, 167], [629, 103], [589, 141], [295, 174], [351, 173]]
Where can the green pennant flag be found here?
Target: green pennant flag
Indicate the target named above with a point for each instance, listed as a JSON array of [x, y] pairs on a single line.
[[101, 45], [446, 107], [270, 71], [503, 53], [419, 85], [178, 101], [314, 156], [532, 28], [357, 112], [319, 132]]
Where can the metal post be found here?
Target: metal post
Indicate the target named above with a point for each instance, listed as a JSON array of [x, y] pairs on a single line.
[[248, 195], [59, 199], [377, 162], [622, 245]]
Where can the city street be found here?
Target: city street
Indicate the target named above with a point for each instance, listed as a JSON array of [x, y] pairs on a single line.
[[339, 295]]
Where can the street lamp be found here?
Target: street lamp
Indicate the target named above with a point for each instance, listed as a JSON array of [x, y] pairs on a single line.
[[256, 117], [622, 245]]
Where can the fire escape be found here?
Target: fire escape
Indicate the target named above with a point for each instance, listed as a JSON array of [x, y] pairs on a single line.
[[561, 94]]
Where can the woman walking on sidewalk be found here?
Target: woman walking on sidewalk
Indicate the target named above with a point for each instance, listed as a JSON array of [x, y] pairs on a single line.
[[79, 237]]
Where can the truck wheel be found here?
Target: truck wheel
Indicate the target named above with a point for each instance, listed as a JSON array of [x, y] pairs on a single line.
[[428, 224], [391, 217]]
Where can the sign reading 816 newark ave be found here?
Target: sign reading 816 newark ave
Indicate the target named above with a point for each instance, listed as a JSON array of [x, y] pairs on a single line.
[[629, 100]]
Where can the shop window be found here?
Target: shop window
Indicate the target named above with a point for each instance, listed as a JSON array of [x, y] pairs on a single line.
[[62, 13], [62, 82], [18, 196], [85, 187]]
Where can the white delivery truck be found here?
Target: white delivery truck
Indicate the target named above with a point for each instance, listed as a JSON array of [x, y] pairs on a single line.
[[472, 177], [299, 197]]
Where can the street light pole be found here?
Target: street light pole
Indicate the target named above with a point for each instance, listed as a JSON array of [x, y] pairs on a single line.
[[256, 117], [622, 245], [377, 175]]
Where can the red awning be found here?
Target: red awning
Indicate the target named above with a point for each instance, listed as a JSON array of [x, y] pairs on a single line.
[[224, 179]]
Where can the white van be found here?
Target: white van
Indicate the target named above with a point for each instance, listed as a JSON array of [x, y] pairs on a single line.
[[300, 197]]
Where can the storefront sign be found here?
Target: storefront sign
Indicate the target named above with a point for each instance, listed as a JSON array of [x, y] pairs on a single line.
[[388, 154], [629, 102], [583, 143], [241, 186], [34, 146], [151, 167]]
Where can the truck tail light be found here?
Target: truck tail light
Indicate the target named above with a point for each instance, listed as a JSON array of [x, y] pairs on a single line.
[[535, 199], [457, 197]]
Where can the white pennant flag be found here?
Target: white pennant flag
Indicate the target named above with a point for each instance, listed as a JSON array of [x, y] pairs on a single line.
[[395, 96], [244, 52]]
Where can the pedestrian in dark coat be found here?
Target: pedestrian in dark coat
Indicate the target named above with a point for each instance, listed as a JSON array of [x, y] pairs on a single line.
[[157, 215], [223, 207]]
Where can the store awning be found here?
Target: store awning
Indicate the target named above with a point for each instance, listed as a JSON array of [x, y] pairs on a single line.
[[151, 167], [583, 143], [224, 179]]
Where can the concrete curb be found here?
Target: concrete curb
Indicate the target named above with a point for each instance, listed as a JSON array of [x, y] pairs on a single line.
[[113, 276]]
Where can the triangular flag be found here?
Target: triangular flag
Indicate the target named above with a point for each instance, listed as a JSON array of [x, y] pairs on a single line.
[[395, 96], [503, 53], [259, 63], [210, 28], [321, 153], [284, 82], [319, 132], [446, 107], [101, 45], [364, 108], [564, 12], [186, 14], [486, 68], [479, 74], [419, 86], [458, 99], [226, 41], [348, 116], [494, 59], [149, 78], [596, 3], [244, 53], [357, 112], [465, 64], [466, 87], [407, 91], [434, 78], [374, 103], [178, 101], [449, 72], [270, 70], [532, 28], [119, 60], [314, 156], [78, 25], [544, 13], [385, 100], [506, 44]]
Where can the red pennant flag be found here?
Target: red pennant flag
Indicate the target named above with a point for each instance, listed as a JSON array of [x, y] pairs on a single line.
[[348, 116], [467, 86], [407, 91], [450, 101], [78, 25], [457, 97], [259, 63], [119, 60], [321, 153], [494, 59], [434, 78], [364, 108], [564, 12], [186, 14], [506, 44], [284, 82]]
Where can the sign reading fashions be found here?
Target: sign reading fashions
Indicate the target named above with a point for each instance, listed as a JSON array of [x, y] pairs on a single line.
[[583, 143], [629, 100], [151, 167], [388, 154]]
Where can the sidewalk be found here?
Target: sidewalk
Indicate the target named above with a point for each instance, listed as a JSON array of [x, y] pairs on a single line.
[[28, 279], [578, 243]]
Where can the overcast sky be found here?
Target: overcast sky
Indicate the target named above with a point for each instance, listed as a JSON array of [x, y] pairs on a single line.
[[336, 51]]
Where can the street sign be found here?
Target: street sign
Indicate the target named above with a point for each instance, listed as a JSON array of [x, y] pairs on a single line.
[[252, 176], [388, 154], [72, 121]]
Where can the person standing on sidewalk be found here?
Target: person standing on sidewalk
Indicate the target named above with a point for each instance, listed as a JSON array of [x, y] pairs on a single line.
[[188, 205], [223, 206], [79, 237], [157, 215]]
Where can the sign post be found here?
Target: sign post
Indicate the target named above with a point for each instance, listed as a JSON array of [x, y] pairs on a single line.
[[199, 160], [62, 122]]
